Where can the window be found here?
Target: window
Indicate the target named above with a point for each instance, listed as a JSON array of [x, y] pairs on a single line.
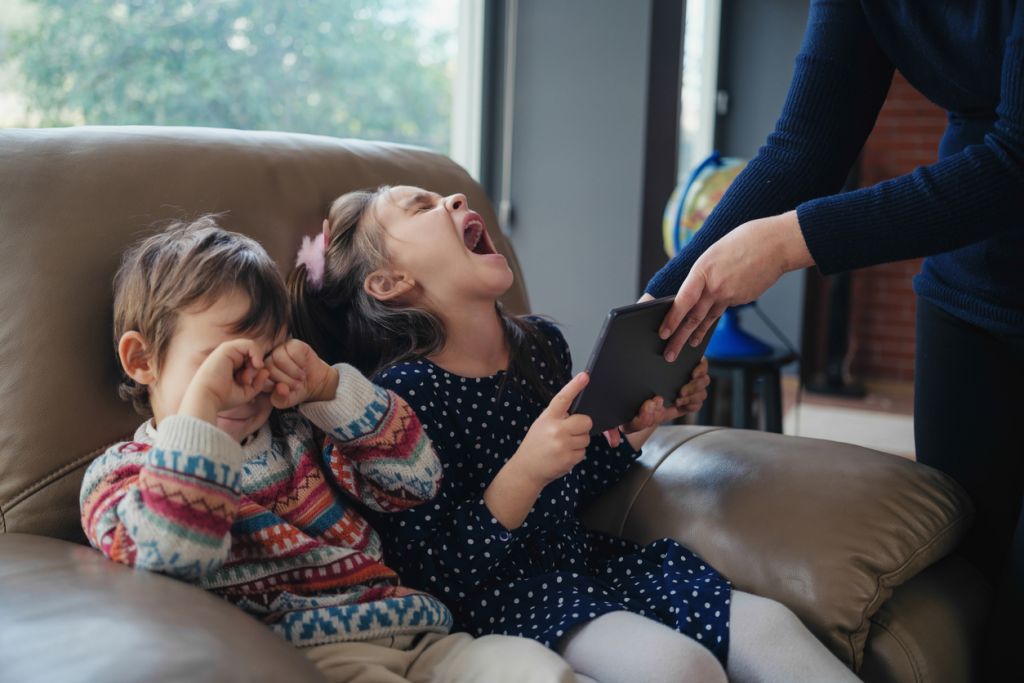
[[372, 69], [699, 102]]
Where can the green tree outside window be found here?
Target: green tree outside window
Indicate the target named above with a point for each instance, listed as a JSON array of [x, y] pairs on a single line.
[[374, 69]]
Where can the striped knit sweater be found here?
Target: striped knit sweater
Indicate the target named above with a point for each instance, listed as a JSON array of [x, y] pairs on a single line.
[[273, 526]]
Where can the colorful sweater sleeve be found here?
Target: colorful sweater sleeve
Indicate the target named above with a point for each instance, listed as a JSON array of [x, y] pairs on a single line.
[[376, 448], [839, 84], [166, 507]]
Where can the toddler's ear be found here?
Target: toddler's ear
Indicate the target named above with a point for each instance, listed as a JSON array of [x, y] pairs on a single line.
[[134, 355], [385, 285]]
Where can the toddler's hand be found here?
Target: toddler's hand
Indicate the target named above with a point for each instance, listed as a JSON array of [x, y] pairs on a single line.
[[299, 375], [557, 441], [232, 375]]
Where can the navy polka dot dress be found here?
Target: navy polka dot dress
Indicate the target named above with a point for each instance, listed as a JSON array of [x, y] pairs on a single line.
[[550, 574]]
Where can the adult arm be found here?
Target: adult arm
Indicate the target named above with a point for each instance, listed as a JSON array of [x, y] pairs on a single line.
[[839, 84], [959, 200]]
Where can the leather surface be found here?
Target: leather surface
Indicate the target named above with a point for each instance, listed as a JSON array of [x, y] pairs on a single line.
[[72, 199], [70, 615], [930, 628], [827, 529]]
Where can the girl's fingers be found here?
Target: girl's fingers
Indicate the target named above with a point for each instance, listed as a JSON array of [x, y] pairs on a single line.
[[579, 425], [579, 442], [613, 437]]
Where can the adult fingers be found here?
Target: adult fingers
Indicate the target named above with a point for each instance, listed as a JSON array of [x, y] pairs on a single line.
[[690, 292], [714, 314], [560, 403], [694, 318]]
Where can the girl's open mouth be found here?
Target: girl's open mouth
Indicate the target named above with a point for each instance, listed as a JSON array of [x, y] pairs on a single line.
[[475, 236]]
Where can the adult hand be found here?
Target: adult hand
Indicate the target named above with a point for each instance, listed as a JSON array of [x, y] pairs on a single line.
[[734, 270]]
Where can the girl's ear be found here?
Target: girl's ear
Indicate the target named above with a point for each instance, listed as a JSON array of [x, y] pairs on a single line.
[[385, 285], [134, 355]]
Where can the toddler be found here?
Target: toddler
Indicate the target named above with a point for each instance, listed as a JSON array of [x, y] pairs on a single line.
[[246, 480]]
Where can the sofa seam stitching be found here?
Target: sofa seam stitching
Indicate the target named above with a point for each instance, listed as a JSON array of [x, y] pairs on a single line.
[[884, 578], [668, 452], [906, 651], [59, 473]]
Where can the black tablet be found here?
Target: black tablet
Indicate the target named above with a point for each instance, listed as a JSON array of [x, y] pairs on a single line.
[[627, 366]]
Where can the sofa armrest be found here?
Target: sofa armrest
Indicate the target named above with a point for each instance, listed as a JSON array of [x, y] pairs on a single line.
[[69, 614], [828, 529]]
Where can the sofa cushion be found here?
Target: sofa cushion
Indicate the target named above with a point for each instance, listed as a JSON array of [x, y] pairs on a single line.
[[72, 199], [70, 615], [828, 529]]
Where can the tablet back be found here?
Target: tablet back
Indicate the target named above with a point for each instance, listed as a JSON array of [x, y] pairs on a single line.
[[627, 367]]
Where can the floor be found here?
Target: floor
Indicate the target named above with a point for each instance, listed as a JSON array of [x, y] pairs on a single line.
[[882, 420]]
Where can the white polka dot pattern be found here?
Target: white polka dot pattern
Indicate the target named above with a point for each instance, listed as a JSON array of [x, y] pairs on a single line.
[[551, 573]]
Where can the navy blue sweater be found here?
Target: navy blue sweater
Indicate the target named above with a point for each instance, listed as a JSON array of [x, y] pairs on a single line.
[[965, 212]]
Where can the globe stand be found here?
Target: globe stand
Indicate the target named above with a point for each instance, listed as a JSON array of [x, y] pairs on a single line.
[[731, 341]]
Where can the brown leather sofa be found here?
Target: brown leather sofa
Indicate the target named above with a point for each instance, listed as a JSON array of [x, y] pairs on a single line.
[[856, 542]]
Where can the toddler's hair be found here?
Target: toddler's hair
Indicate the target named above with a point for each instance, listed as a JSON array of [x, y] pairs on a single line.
[[343, 323], [189, 265]]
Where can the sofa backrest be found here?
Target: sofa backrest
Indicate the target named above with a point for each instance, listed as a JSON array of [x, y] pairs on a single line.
[[72, 199]]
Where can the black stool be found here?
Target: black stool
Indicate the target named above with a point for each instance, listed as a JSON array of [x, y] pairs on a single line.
[[744, 374]]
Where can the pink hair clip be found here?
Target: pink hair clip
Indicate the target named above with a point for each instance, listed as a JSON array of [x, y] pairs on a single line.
[[311, 255]]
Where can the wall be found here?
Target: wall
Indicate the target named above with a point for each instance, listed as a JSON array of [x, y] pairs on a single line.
[[577, 158], [905, 136], [759, 44]]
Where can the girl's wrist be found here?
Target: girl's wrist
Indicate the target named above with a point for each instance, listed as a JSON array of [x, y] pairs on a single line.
[[519, 476]]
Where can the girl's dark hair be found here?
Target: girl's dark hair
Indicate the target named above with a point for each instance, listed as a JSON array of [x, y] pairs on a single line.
[[343, 323]]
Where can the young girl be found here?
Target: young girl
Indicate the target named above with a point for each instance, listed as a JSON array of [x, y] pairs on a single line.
[[404, 285]]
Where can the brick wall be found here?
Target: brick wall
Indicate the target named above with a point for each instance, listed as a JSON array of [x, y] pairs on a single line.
[[905, 136]]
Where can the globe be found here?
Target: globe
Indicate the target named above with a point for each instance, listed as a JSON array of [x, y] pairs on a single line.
[[687, 209]]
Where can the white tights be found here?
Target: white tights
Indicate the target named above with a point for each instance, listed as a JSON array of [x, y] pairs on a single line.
[[767, 644]]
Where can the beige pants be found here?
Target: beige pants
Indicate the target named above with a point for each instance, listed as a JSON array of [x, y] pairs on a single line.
[[437, 658]]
